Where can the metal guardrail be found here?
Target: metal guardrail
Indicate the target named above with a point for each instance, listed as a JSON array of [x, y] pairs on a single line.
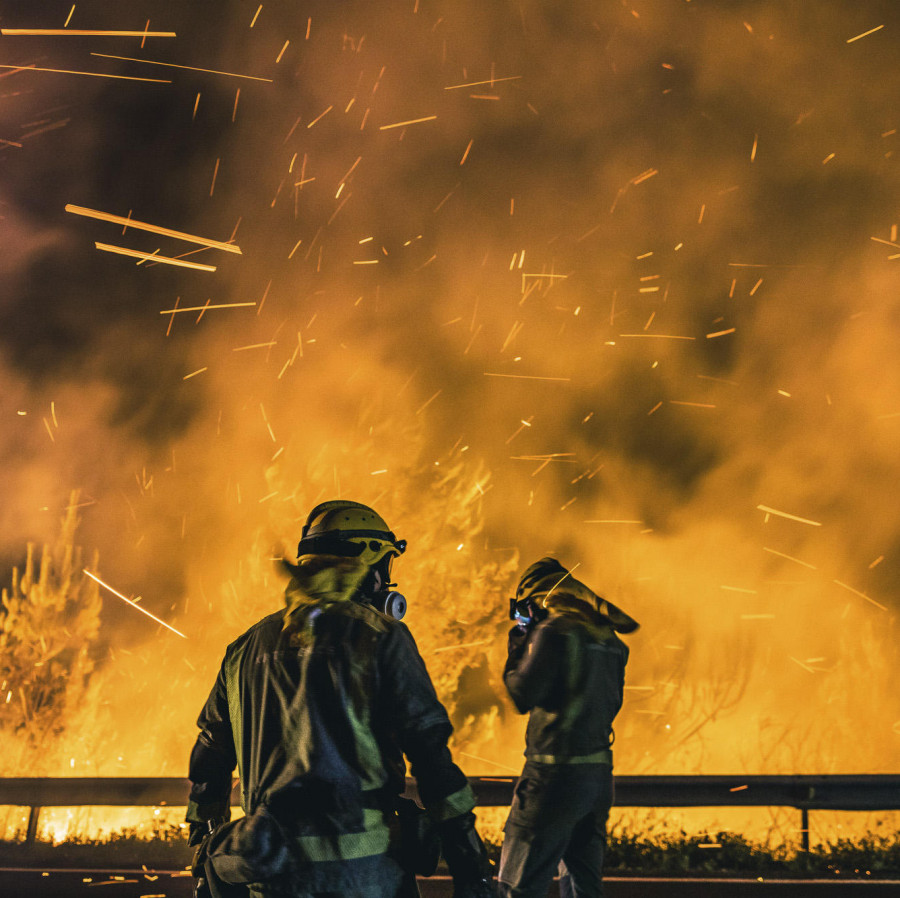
[[853, 792]]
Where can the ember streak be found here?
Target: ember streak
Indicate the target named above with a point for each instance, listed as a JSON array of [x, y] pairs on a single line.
[[690, 388]]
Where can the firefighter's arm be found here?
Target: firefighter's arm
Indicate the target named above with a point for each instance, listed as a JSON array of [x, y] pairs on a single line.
[[423, 728], [212, 761], [531, 668]]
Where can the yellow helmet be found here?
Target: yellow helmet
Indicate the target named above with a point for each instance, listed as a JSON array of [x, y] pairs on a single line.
[[349, 529]]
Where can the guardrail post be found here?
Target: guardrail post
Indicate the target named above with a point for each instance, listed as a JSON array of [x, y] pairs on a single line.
[[804, 830], [31, 833]]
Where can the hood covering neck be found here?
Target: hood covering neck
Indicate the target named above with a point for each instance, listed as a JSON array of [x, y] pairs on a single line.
[[549, 585], [319, 582]]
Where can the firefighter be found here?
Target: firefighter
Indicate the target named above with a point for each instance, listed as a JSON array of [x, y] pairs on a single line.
[[316, 705], [565, 668]]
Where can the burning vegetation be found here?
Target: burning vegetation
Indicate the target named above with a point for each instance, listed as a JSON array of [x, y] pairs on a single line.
[[613, 283]]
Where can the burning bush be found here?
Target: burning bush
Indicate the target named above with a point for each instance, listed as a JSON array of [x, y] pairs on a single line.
[[48, 624]]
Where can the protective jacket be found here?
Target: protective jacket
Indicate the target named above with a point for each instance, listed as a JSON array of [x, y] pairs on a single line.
[[568, 670], [316, 707]]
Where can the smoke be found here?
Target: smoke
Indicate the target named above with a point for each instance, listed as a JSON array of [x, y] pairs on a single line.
[[626, 272]]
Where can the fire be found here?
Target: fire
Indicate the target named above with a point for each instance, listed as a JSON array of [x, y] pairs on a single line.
[[696, 365]]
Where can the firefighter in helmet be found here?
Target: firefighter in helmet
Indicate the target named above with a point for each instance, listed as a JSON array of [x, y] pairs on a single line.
[[316, 705], [566, 669]]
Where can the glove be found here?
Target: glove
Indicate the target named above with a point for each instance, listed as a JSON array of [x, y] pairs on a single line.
[[517, 643], [197, 832], [466, 857]]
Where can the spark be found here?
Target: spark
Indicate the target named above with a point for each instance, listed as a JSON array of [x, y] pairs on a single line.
[[491, 81], [212, 186], [226, 305], [255, 15], [153, 229], [195, 373], [69, 17], [172, 65], [659, 336], [720, 380], [738, 788], [730, 330], [463, 645], [465, 155], [428, 402], [137, 254], [255, 346], [691, 404], [644, 176], [351, 169], [864, 34], [203, 311], [862, 595], [526, 376], [563, 277], [806, 667], [34, 68], [414, 121], [790, 517], [132, 603], [489, 761], [56, 32], [320, 116], [812, 567]]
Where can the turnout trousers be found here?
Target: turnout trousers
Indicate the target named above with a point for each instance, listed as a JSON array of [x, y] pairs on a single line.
[[557, 821]]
